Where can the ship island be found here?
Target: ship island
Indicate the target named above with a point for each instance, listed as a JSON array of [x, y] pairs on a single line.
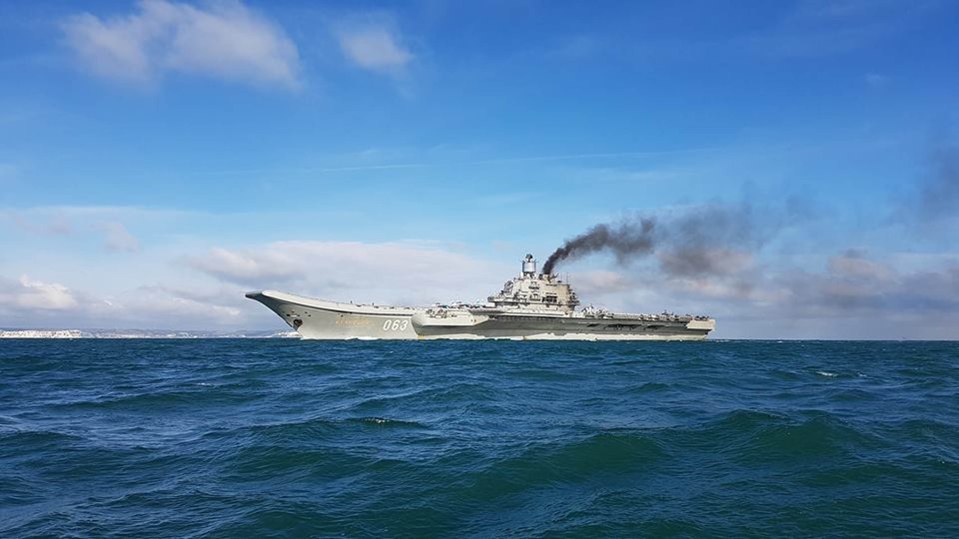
[[531, 306]]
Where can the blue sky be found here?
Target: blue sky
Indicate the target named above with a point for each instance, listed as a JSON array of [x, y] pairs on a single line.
[[158, 158]]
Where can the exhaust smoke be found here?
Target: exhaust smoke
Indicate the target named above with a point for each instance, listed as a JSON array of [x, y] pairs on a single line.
[[627, 240], [707, 240]]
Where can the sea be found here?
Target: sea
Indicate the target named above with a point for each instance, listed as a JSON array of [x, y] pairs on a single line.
[[288, 438]]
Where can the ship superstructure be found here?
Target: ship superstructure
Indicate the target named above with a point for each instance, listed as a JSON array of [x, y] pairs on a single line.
[[532, 291], [530, 306]]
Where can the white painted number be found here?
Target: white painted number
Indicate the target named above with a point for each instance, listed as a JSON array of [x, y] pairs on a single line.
[[396, 325]]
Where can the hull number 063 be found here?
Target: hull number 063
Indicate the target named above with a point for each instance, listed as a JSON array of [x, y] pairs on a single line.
[[396, 325]]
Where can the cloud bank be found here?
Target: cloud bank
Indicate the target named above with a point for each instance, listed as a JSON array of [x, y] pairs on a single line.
[[404, 272], [32, 303], [409, 273], [32, 294], [224, 40]]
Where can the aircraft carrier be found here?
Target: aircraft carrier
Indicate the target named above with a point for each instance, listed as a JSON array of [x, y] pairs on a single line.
[[531, 306]]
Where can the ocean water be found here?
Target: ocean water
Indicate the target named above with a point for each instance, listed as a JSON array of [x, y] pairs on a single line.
[[277, 438]]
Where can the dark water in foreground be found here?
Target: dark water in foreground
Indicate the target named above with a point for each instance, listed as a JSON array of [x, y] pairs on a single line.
[[243, 438]]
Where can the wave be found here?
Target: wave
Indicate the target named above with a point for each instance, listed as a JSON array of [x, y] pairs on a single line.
[[602, 455], [101, 438], [22, 440], [189, 394], [388, 423]]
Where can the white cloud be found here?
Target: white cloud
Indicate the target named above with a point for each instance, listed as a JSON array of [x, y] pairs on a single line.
[[246, 267], [118, 238], [375, 47], [223, 39], [29, 302], [407, 272], [28, 293], [165, 307]]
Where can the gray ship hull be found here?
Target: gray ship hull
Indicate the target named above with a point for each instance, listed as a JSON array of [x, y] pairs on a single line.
[[319, 319]]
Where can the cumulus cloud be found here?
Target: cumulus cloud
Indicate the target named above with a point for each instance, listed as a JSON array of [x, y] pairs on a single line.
[[29, 302], [29, 293], [375, 47], [222, 39]]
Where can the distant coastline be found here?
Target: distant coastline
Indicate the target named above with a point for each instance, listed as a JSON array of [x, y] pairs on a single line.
[[138, 334]]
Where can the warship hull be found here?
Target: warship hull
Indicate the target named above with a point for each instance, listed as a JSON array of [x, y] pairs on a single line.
[[320, 319]]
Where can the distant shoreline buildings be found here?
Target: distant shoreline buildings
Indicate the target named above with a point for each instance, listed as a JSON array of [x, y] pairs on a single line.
[[135, 334]]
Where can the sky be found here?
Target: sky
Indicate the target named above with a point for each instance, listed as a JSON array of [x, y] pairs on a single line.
[[799, 158]]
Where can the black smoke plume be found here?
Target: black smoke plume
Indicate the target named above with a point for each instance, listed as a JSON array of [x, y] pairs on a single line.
[[706, 240], [628, 239]]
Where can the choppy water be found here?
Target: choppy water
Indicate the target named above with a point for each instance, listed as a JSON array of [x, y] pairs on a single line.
[[231, 438]]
